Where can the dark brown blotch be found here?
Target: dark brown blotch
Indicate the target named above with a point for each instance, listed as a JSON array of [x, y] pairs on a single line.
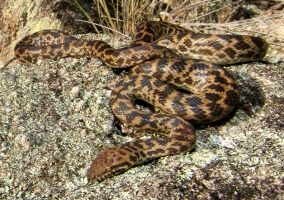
[[149, 143], [187, 43], [178, 108], [122, 108], [121, 166], [155, 152], [20, 50], [127, 146], [218, 78], [180, 138], [188, 80], [178, 65], [215, 109], [163, 95], [241, 44], [28, 59], [235, 86], [138, 144], [199, 113], [248, 55], [183, 148], [232, 98], [260, 43], [198, 66], [163, 141], [66, 46], [54, 34], [182, 48], [142, 154], [172, 150], [162, 63], [177, 80], [133, 158], [138, 36], [200, 36], [145, 82], [181, 35], [226, 38], [120, 60], [106, 50], [216, 87], [194, 101], [230, 52], [217, 45], [34, 35], [109, 61], [212, 96], [146, 120], [221, 55]]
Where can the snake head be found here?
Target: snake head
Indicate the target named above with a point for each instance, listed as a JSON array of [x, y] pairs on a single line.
[[109, 162]]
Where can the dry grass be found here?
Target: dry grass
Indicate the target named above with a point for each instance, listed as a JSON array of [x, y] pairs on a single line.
[[124, 15], [213, 16]]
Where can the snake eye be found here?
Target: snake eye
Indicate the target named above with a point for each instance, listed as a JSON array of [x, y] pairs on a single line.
[[108, 168]]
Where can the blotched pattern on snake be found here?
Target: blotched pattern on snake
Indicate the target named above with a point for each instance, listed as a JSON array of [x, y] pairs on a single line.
[[164, 56]]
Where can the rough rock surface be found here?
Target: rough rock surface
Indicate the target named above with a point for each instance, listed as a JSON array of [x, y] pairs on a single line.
[[54, 119]]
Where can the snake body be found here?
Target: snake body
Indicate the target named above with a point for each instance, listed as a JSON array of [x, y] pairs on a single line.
[[160, 55]]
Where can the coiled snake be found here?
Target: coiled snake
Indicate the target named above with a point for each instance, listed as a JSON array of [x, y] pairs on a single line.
[[160, 53]]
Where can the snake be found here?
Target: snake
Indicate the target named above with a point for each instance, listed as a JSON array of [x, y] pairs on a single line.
[[177, 71]]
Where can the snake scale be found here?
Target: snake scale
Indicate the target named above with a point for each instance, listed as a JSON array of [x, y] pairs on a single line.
[[164, 56]]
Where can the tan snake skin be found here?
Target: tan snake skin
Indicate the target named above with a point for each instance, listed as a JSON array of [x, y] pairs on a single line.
[[160, 53]]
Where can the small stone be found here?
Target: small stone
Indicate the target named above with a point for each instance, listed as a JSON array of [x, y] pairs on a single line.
[[75, 91], [25, 144]]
